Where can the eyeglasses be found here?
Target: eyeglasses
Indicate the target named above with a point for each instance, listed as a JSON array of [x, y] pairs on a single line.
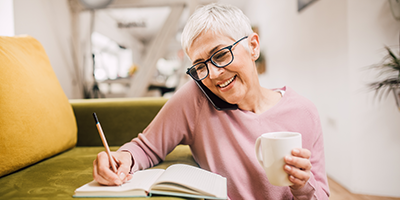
[[221, 58]]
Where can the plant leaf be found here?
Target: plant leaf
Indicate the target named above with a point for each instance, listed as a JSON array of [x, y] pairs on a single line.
[[395, 59]]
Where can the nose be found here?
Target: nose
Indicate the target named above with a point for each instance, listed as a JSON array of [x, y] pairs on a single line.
[[215, 72]]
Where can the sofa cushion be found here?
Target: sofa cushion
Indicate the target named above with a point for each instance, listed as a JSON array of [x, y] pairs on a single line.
[[36, 119], [121, 119]]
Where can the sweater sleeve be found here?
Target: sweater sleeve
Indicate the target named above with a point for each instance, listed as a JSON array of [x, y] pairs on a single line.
[[173, 125], [317, 185]]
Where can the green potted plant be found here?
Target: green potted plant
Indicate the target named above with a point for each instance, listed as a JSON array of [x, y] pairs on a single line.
[[389, 68]]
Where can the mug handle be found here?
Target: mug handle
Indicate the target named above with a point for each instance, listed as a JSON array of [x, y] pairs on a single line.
[[259, 158]]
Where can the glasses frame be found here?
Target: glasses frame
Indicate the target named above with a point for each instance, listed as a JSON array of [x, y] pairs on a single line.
[[215, 64]]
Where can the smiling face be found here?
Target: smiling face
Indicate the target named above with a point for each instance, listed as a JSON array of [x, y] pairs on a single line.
[[236, 83]]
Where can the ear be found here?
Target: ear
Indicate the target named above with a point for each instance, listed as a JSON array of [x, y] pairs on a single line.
[[254, 45]]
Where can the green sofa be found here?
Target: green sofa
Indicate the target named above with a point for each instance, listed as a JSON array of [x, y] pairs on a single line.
[[47, 142]]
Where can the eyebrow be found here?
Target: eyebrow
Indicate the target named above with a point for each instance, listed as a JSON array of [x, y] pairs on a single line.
[[209, 53]]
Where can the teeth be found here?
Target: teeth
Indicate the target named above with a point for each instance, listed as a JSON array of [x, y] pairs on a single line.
[[227, 82]]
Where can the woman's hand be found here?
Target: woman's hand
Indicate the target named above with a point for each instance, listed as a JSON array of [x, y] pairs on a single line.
[[298, 166], [103, 173]]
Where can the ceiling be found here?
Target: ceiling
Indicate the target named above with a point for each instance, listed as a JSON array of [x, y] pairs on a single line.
[[144, 22]]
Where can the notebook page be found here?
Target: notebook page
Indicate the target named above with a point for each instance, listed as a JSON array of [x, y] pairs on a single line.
[[144, 179], [140, 180], [195, 178]]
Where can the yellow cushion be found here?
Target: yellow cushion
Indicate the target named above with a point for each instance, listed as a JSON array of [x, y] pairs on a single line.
[[36, 119]]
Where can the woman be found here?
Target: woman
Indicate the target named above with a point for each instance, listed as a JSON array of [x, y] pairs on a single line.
[[219, 40]]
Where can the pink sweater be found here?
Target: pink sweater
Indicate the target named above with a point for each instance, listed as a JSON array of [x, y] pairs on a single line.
[[224, 141]]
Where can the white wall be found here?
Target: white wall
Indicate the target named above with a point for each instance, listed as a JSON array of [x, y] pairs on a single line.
[[6, 18], [49, 22], [375, 125], [322, 53]]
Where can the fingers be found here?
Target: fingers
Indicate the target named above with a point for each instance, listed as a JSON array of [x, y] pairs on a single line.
[[298, 166], [299, 175], [103, 173], [300, 163], [303, 153], [297, 183], [124, 166]]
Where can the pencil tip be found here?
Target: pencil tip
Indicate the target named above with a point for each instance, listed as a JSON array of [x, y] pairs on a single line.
[[95, 118]]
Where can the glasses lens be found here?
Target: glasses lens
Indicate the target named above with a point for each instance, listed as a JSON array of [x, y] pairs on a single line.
[[222, 57], [199, 71]]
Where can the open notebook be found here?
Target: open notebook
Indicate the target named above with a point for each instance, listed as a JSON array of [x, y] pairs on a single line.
[[177, 180]]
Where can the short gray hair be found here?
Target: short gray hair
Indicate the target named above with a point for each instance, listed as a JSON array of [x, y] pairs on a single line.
[[219, 18]]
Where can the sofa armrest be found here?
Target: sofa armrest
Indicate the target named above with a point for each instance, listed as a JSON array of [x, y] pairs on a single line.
[[121, 119]]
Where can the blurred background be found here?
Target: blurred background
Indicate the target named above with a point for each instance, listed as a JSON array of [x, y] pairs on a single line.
[[323, 49]]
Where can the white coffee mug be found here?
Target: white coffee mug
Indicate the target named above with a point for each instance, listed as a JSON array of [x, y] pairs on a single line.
[[271, 148]]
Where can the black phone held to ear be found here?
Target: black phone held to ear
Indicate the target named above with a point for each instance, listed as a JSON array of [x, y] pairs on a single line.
[[217, 102]]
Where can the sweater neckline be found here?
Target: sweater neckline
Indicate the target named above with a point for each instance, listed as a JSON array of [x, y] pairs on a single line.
[[285, 93]]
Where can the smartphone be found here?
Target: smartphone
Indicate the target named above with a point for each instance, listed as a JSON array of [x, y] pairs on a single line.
[[217, 102]]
